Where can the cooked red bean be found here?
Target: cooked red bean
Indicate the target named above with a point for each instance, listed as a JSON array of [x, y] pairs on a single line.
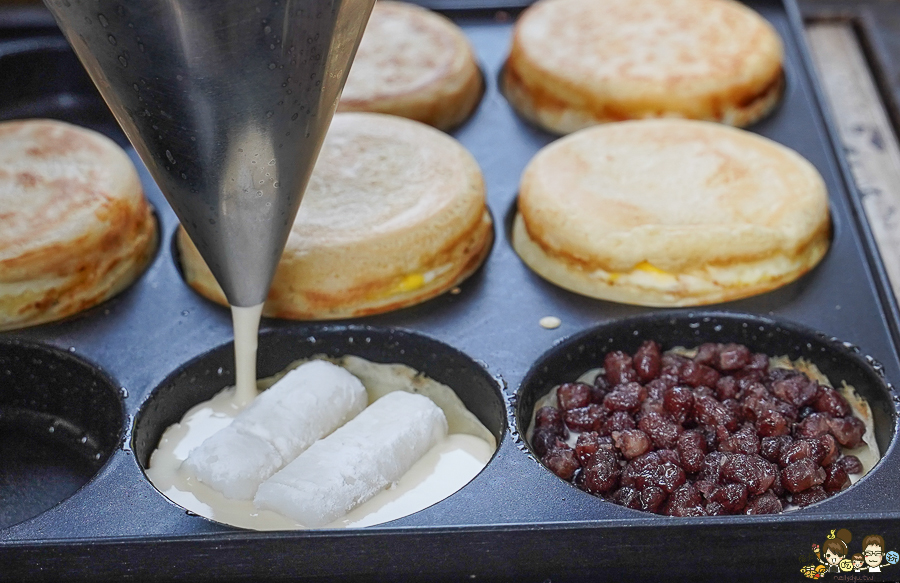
[[731, 496], [618, 367], [647, 361], [851, 464], [813, 426], [652, 498], [802, 449], [573, 395], [692, 450], [836, 479], [744, 441], [588, 418], [698, 375], [550, 418], [830, 448], [707, 353], [758, 362], [748, 377], [708, 411], [727, 388], [751, 470], [665, 475], [601, 383], [703, 392], [733, 357], [671, 364], [628, 497], [638, 465], [686, 500], [588, 444], [710, 435], [631, 442], [562, 462], [847, 430], [811, 496], [767, 503], [795, 388], [712, 467], [618, 421], [652, 406], [601, 475], [772, 447], [661, 429], [544, 440], [802, 475], [625, 397], [669, 455], [648, 500], [771, 423], [656, 389], [832, 403], [715, 509], [679, 403]]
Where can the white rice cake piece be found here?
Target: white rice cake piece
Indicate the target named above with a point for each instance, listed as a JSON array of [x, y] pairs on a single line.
[[352, 464], [307, 404], [232, 462]]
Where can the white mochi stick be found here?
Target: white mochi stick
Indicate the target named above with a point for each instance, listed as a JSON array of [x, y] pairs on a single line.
[[355, 462], [307, 404]]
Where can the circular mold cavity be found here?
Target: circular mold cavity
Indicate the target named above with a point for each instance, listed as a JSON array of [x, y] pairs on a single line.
[[839, 361], [203, 377], [60, 421]]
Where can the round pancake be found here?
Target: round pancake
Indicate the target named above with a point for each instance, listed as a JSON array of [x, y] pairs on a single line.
[[394, 214], [670, 213], [75, 228], [413, 63], [577, 63]]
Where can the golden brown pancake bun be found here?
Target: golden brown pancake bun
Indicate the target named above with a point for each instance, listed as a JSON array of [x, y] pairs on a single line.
[[670, 213], [394, 215], [75, 228], [577, 63], [414, 63]]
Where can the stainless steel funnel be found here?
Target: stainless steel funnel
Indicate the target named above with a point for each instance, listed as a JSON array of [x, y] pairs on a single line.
[[227, 103]]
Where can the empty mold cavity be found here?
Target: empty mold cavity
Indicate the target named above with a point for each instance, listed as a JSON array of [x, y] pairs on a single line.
[[839, 361], [43, 78], [205, 376], [60, 421]]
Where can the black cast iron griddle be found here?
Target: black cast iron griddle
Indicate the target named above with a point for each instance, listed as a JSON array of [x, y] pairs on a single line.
[[109, 380]]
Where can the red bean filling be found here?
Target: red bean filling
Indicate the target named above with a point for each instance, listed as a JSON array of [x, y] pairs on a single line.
[[720, 433]]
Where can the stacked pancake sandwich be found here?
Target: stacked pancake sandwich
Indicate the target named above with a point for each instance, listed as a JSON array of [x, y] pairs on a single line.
[[577, 63], [670, 213], [394, 214], [413, 63], [75, 227]]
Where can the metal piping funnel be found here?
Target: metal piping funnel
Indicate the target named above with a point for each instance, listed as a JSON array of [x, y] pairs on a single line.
[[227, 103]]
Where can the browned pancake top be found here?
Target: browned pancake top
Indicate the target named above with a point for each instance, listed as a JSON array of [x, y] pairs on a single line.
[[61, 187], [673, 193], [626, 59], [405, 49]]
